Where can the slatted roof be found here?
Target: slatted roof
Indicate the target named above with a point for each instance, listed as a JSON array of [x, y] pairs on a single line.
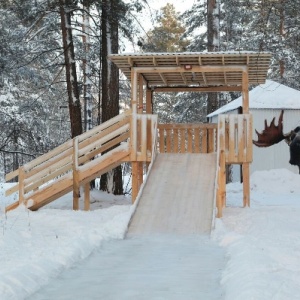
[[208, 69]]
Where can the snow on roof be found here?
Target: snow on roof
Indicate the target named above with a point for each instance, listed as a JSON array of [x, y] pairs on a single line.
[[269, 95]]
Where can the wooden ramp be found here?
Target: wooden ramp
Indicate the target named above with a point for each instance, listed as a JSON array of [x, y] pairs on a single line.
[[178, 197]]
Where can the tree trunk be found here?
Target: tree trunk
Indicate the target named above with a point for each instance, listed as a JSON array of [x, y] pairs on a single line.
[[111, 181], [213, 44], [71, 76], [87, 93]]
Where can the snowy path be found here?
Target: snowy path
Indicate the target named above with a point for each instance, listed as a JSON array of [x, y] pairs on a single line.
[[161, 267]]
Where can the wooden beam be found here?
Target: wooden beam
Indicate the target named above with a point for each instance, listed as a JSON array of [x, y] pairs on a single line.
[[206, 69], [199, 89]]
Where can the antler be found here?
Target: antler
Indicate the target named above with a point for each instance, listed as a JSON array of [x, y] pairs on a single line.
[[271, 134]]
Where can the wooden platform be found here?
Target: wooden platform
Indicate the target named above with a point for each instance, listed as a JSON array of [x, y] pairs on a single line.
[[178, 196]]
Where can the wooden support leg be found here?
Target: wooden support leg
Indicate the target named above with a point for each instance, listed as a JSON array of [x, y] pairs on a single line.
[[87, 196], [135, 182], [76, 191], [221, 193], [246, 184], [140, 175]]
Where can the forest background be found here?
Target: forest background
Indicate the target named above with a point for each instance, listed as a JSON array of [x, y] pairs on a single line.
[[56, 82]]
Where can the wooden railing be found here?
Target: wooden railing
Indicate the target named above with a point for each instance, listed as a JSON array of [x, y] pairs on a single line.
[[234, 147], [143, 135], [126, 137], [187, 138]]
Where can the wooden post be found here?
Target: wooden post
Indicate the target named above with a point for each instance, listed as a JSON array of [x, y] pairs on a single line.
[[221, 188], [245, 92], [246, 184], [134, 87], [135, 181], [76, 186], [141, 94], [87, 196]]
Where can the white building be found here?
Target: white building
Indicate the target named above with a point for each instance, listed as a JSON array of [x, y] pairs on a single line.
[[265, 102]]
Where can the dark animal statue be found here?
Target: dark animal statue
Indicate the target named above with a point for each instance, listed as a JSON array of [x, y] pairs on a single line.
[[273, 134]]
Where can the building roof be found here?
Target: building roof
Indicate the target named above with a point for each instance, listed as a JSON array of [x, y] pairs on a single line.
[[207, 68], [271, 95]]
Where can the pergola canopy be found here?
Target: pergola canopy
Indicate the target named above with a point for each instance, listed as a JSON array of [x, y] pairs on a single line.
[[195, 69]]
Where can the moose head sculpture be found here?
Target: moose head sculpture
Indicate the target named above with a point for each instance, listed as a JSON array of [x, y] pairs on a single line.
[[273, 134]]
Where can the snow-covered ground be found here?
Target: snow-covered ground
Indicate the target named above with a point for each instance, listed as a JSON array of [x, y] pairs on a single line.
[[262, 243]]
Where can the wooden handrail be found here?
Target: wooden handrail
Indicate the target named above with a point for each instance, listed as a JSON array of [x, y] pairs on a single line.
[[63, 160]]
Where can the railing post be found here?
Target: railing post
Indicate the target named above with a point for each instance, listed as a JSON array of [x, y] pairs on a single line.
[[76, 186], [221, 188]]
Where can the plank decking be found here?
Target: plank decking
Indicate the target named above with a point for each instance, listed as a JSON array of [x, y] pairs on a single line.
[[178, 196]]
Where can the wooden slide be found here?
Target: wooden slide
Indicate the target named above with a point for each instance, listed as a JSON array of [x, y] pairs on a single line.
[[178, 197]]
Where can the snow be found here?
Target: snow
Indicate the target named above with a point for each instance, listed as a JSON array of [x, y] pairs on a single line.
[[261, 243], [269, 95]]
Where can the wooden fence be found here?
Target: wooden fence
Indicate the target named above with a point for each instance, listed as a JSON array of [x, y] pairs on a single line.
[[187, 138], [234, 147]]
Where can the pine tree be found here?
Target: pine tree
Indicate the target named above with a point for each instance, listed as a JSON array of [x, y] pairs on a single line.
[[168, 35]]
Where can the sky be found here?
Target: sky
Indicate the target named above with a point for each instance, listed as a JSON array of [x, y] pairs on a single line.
[[43, 252]]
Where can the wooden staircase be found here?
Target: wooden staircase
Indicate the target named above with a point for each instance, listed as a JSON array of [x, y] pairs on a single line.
[[82, 159]]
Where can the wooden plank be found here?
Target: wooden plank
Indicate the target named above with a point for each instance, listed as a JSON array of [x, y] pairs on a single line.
[[182, 140], [12, 206], [11, 175], [249, 138], [168, 140], [32, 185], [241, 140], [58, 168], [55, 152], [232, 155], [91, 170], [133, 137], [12, 190], [94, 139], [50, 193], [171, 205], [175, 141], [245, 92], [104, 139], [90, 155], [211, 140], [211, 89], [197, 140], [161, 140], [144, 137], [204, 148], [121, 118], [190, 141]]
